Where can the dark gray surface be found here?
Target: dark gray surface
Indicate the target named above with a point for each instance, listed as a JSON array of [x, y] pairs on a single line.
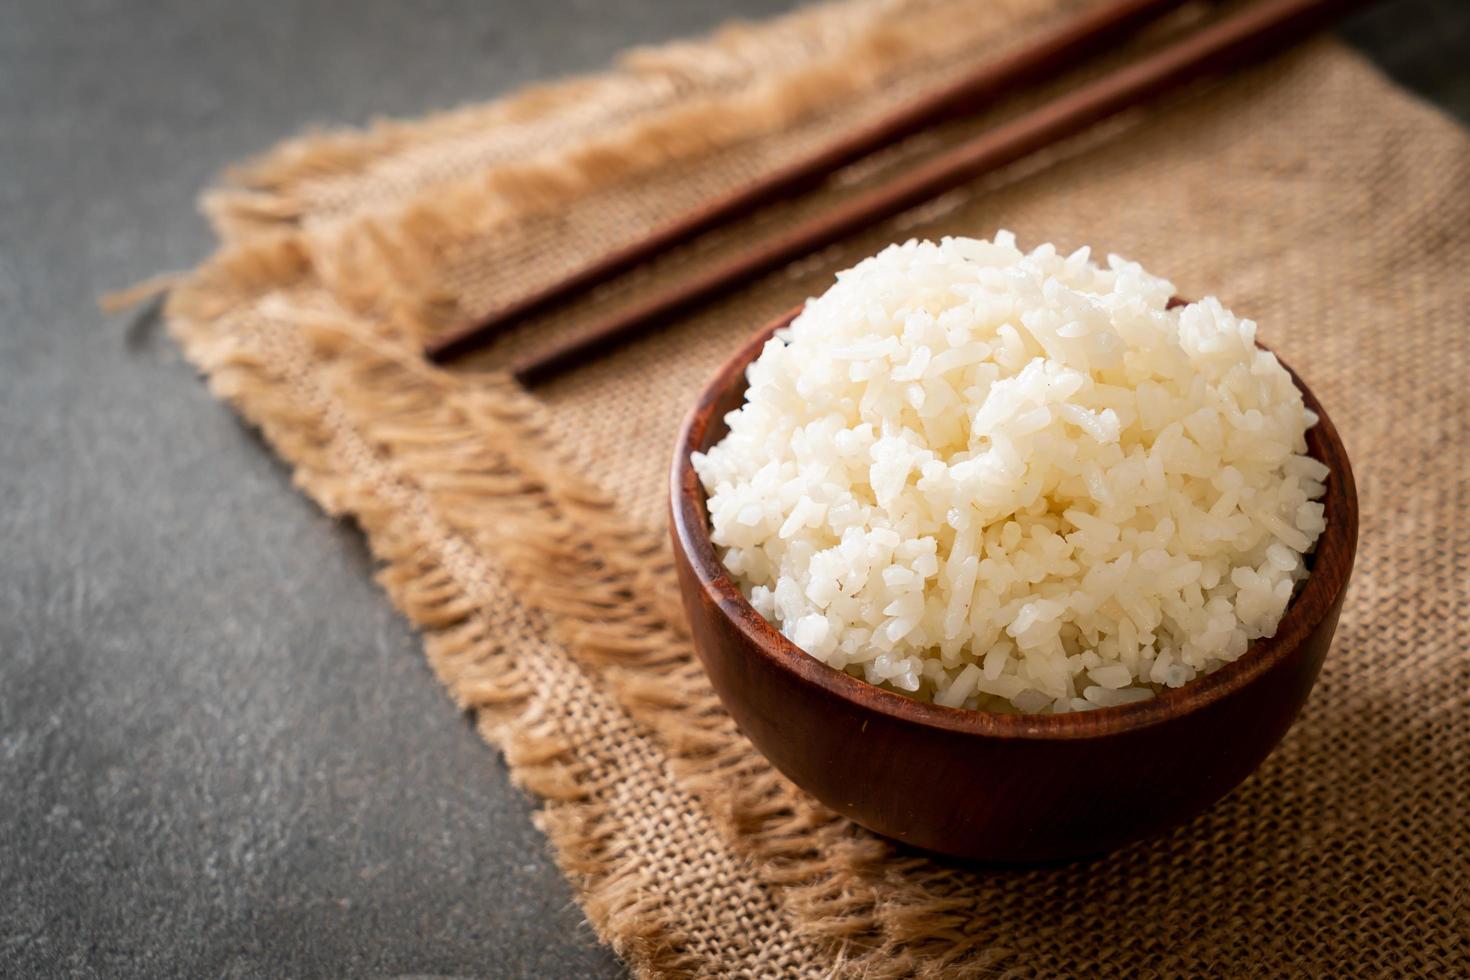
[[220, 751]]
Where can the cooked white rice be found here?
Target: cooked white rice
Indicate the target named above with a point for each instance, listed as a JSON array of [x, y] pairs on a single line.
[[1016, 482]]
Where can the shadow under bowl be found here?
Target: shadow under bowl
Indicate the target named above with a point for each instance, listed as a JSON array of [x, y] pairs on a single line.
[[987, 786]]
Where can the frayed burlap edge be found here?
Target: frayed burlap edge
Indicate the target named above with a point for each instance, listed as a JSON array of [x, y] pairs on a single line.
[[541, 709]]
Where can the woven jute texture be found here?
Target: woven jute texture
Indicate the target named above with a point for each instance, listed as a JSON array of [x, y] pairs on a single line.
[[522, 532]]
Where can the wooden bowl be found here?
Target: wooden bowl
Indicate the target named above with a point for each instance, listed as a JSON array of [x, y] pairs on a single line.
[[999, 787]]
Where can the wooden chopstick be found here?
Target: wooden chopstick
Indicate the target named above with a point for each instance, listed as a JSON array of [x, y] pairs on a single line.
[[1090, 33], [1253, 34]]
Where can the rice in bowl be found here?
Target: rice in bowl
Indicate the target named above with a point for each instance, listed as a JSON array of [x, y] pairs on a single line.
[[1016, 482]]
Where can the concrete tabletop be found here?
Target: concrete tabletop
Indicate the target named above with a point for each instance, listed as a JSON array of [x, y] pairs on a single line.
[[221, 752]]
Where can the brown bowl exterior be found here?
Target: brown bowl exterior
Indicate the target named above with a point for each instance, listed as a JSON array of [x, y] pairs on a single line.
[[993, 787]]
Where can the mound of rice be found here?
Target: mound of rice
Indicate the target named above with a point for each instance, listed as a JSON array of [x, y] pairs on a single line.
[[1016, 482]]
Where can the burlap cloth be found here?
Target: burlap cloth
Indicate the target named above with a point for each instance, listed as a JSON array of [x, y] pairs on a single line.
[[523, 533]]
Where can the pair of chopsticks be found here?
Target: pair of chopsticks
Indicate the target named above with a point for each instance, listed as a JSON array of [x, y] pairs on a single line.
[[1259, 31]]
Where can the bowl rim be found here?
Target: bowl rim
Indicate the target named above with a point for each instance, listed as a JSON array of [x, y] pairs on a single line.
[[1319, 597]]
